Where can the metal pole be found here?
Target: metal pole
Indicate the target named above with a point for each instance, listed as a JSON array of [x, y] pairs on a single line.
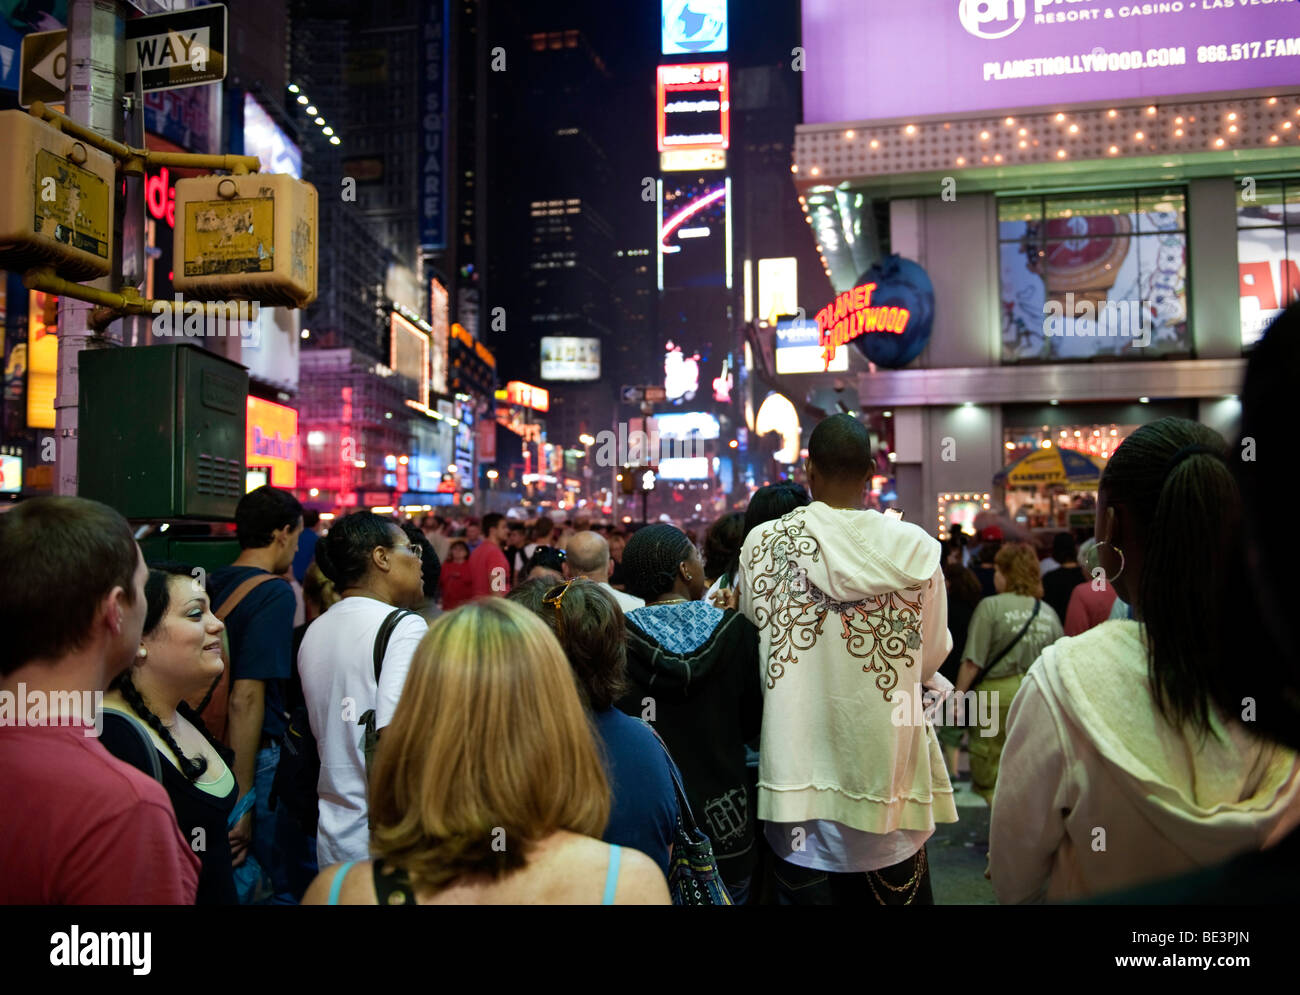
[[96, 62]]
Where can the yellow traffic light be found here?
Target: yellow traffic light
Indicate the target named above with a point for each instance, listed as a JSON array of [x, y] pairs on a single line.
[[250, 237], [56, 200]]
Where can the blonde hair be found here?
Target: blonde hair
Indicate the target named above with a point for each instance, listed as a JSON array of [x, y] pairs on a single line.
[[489, 737], [1019, 566], [318, 589]]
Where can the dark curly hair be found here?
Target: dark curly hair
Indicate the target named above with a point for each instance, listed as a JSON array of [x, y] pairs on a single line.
[[343, 555], [722, 545], [651, 559], [772, 502], [592, 634]]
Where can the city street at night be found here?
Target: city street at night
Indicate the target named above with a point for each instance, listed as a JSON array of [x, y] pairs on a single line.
[[653, 452]]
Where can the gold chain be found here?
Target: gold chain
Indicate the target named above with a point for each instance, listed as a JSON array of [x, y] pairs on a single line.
[[918, 871]]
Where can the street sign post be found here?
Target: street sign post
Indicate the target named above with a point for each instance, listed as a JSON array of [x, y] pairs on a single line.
[[172, 50], [648, 394]]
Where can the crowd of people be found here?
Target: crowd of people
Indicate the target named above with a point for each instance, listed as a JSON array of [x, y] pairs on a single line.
[[505, 711]]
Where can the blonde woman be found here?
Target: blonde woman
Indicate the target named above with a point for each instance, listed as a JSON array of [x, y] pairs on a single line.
[[1007, 633], [488, 788]]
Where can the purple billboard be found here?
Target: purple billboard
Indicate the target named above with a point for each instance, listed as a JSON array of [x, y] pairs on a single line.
[[873, 59]]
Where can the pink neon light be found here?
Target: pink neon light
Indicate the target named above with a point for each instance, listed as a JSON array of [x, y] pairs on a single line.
[[694, 207]]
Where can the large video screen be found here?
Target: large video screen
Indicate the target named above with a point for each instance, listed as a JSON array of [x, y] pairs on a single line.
[[694, 232], [861, 58], [694, 26], [265, 140], [566, 358]]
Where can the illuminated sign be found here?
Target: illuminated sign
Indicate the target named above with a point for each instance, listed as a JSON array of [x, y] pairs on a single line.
[[11, 473], [799, 350], [1003, 54], [681, 373], [439, 316], [272, 441], [694, 107], [686, 425], [409, 355], [889, 314], [777, 414], [570, 358], [852, 314], [684, 468], [694, 246], [691, 160], [690, 27], [778, 287], [528, 396], [265, 140], [42, 358]]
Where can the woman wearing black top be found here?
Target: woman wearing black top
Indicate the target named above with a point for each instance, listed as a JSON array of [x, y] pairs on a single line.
[[144, 710], [695, 676]]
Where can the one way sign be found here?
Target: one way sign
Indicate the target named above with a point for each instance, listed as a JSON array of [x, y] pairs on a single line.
[[176, 49]]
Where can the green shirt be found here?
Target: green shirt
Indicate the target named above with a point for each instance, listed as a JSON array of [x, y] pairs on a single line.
[[995, 623]]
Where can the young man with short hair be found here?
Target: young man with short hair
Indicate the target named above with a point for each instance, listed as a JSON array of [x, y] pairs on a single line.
[[489, 569], [92, 830], [851, 610], [268, 522]]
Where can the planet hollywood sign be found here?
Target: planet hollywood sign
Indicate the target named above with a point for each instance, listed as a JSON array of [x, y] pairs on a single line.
[[852, 314]]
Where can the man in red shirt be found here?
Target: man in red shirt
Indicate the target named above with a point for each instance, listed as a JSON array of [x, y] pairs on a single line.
[[488, 567], [1090, 603], [92, 830]]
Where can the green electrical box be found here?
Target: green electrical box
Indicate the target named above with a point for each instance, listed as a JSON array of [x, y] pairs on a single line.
[[209, 552], [161, 431]]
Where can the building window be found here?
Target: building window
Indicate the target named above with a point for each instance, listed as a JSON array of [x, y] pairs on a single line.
[[1094, 276], [1268, 253]]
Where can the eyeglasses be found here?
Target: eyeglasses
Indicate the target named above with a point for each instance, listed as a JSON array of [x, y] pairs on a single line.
[[411, 548], [553, 597]]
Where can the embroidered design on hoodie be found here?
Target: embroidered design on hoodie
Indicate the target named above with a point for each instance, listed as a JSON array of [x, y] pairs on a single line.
[[883, 629]]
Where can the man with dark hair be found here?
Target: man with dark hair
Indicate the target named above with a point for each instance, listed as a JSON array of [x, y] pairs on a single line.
[[852, 616], [489, 569], [515, 550], [1059, 584], [92, 830], [259, 614]]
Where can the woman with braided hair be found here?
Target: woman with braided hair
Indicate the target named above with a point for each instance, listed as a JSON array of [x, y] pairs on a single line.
[[694, 673], [145, 709]]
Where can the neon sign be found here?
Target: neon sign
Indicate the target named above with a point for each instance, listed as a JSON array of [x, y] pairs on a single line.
[[694, 107], [160, 197], [851, 314]]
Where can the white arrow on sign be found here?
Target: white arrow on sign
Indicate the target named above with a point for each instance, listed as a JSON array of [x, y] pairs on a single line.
[[631, 395], [54, 67]]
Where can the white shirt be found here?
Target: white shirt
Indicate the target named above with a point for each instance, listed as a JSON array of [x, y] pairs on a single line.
[[824, 845], [336, 664], [625, 601]]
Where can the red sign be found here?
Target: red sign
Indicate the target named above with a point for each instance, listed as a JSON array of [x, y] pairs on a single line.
[[527, 396], [694, 106], [851, 314]]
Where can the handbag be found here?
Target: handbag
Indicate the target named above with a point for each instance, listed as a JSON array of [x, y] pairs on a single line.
[[693, 877]]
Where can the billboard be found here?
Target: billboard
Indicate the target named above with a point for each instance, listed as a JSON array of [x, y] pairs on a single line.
[[566, 358], [409, 356], [799, 349], [265, 140], [433, 124], [684, 468], [686, 425], [439, 321], [11, 473], [995, 55], [271, 441], [690, 27], [694, 106], [1268, 255], [778, 287], [527, 396], [694, 246]]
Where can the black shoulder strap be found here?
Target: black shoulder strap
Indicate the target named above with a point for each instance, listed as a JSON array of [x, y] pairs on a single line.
[[386, 633], [392, 886], [683, 806], [1009, 646], [150, 751]]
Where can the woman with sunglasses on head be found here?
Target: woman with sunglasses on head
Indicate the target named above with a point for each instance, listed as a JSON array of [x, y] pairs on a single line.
[[589, 625], [488, 787], [148, 724], [695, 675], [377, 571], [1119, 767]]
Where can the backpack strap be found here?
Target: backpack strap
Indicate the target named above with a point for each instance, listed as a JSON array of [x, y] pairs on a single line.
[[151, 751], [384, 634], [229, 605]]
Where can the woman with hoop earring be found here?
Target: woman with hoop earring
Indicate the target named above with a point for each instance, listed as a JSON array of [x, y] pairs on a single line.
[[1119, 768]]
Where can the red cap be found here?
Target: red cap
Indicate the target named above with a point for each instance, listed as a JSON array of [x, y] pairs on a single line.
[[991, 533]]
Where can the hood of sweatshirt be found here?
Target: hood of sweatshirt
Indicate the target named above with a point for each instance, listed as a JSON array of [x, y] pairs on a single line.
[[852, 554], [1197, 791], [675, 647]]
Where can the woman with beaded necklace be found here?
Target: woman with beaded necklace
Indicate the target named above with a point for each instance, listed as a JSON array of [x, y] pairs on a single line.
[[145, 707], [695, 676]]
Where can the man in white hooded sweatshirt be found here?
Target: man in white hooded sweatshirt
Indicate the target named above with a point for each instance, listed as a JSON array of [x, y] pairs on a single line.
[[852, 615]]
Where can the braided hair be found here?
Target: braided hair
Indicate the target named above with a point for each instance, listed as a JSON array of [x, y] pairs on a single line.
[[651, 559], [157, 600]]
